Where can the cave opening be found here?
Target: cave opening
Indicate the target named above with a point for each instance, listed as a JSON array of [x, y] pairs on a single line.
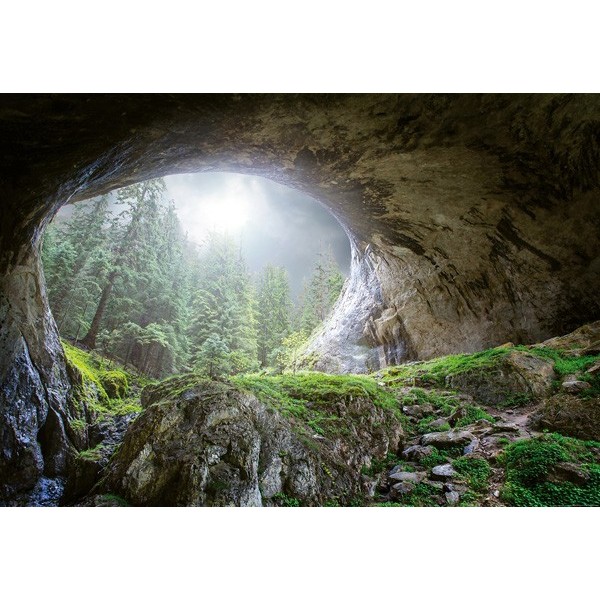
[[217, 273]]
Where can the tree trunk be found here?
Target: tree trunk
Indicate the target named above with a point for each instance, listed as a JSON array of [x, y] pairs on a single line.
[[90, 337]]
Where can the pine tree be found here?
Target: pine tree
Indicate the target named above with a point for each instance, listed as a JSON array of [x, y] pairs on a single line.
[[274, 311], [320, 293]]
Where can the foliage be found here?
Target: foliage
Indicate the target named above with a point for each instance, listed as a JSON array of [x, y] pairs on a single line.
[[528, 463], [282, 499], [473, 414], [475, 471]]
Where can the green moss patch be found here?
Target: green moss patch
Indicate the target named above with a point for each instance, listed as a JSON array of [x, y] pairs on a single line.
[[529, 462], [103, 390]]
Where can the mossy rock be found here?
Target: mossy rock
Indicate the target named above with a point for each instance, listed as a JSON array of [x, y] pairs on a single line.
[[115, 384]]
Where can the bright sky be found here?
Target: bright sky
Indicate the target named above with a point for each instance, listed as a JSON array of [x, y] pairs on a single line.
[[274, 223]]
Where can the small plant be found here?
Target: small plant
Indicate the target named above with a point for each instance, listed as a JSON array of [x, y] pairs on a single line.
[[475, 471], [287, 501]]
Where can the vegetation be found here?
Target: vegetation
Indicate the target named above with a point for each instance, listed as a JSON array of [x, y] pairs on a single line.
[[529, 463], [102, 387], [123, 279], [475, 471]]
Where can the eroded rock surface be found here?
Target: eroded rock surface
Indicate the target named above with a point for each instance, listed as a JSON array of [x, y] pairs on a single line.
[[210, 444]]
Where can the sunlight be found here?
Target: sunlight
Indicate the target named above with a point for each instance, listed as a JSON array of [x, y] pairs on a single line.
[[226, 214]]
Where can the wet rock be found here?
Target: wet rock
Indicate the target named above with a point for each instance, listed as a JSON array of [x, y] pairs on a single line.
[[447, 439], [443, 472]]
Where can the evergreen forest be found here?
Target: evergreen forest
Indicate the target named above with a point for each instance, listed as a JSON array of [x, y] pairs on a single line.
[[124, 280]]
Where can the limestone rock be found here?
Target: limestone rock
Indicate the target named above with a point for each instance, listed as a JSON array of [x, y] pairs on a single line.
[[411, 177], [209, 444], [416, 452], [447, 439], [401, 489], [413, 477], [514, 374], [452, 498], [443, 472], [575, 386]]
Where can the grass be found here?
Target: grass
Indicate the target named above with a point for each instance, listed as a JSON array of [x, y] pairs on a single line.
[[92, 454], [528, 462], [312, 397], [435, 371]]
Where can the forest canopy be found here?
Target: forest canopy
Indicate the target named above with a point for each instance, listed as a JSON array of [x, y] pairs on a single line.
[[124, 279]]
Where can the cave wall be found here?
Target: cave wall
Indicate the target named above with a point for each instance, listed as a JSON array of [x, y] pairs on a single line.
[[474, 219]]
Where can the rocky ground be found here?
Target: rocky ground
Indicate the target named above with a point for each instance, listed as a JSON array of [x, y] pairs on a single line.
[[513, 425]]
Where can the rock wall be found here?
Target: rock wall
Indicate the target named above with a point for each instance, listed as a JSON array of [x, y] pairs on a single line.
[[475, 218]]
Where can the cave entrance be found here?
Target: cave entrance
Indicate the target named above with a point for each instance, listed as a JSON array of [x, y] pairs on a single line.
[[216, 272]]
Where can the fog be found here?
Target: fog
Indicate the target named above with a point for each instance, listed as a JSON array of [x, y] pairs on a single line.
[[274, 224]]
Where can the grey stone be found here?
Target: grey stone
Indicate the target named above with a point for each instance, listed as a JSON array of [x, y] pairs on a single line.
[[452, 498], [417, 452], [401, 489], [575, 386], [447, 439], [443, 472], [414, 477]]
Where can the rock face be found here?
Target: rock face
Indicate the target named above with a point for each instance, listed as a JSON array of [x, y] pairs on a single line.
[[473, 219], [210, 444], [515, 375]]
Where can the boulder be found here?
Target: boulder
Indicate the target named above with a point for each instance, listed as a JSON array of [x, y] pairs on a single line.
[[570, 415], [207, 443], [443, 472], [401, 489], [417, 452], [510, 375], [447, 439], [575, 386], [413, 477], [452, 498]]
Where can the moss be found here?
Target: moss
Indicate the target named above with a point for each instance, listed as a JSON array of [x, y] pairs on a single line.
[[528, 463], [282, 499], [92, 454], [311, 397], [435, 371], [77, 424], [473, 414], [101, 390], [115, 383]]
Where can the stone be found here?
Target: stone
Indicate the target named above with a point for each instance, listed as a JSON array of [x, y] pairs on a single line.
[[513, 374], [413, 477], [594, 369], [447, 439], [452, 498], [575, 386], [443, 472], [439, 423], [569, 414], [504, 427], [401, 489], [418, 410], [472, 447], [565, 471], [417, 452], [206, 443]]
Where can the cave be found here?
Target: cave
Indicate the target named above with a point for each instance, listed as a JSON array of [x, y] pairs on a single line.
[[474, 220]]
